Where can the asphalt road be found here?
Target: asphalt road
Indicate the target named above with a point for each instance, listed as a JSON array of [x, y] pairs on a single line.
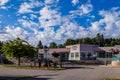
[[74, 72]]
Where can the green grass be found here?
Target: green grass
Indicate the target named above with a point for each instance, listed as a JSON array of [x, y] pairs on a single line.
[[18, 67], [112, 79], [29, 67]]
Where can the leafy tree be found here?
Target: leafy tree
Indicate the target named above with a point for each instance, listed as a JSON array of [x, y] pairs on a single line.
[[69, 42], [61, 46], [18, 48], [53, 45], [40, 45], [1, 43], [45, 47], [78, 41], [87, 40]]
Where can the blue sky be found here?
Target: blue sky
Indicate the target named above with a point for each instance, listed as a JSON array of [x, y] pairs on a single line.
[[58, 20]]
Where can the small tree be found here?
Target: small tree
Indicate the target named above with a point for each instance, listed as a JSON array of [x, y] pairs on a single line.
[[114, 51], [18, 48]]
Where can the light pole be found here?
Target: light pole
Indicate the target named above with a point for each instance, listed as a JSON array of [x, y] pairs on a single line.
[[46, 58]]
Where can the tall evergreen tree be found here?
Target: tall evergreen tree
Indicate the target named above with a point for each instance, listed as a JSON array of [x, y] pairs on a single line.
[[40, 45], [100, 39], [1, 43]]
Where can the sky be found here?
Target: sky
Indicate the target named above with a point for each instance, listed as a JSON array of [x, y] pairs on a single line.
[[58, 20]]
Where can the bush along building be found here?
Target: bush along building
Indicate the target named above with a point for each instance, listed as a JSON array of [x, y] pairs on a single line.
[[81, 52]]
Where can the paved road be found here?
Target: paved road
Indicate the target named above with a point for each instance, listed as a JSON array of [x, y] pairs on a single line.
[[74, 72]]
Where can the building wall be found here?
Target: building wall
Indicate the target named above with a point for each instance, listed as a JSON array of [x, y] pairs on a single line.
[[81, 52], [74, 52]]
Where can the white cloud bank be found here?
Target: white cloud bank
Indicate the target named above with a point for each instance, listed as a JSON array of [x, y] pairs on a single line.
[[109, 24], [50, 18]]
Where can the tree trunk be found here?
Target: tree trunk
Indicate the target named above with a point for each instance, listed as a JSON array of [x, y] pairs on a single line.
[[18, 60]]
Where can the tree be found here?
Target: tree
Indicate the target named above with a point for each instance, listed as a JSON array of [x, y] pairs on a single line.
[[18, 48], [61, 46], [45, 47], [114, 51], [100, 39], [53, 45], [1, 43], [69, 42], [40, 45], [78, 41]]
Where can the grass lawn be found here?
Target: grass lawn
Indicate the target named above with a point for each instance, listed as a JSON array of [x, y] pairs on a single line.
[[29, 67], [112, 79]]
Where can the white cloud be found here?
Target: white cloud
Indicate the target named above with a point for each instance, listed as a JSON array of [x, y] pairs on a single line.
[[49, 17], [51, 1], [27, 7], [18, 32], [109, 24], [83, 9], [3, 2], [86, 8], [29, 24], [75, 2], [32, 16]]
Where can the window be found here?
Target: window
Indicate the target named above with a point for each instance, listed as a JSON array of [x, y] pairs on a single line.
[[82, 54], [72, 54], [101, 55], [74, 47], [76, 54], [89, 55]]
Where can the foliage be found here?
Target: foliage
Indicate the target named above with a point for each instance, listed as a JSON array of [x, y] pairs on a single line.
[[61, 46], [1, 43], [45, 47], [40, 45], [53, 45], [69, 42], [97, 40], [100, 39], [18, 48], [55, 54], [112, 79], [114, 51]]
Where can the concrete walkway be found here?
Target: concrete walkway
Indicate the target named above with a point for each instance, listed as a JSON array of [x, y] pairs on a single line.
[[74, 72]]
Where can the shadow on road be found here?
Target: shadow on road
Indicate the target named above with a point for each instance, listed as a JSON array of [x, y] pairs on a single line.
[[21, 78], [77, 67]]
